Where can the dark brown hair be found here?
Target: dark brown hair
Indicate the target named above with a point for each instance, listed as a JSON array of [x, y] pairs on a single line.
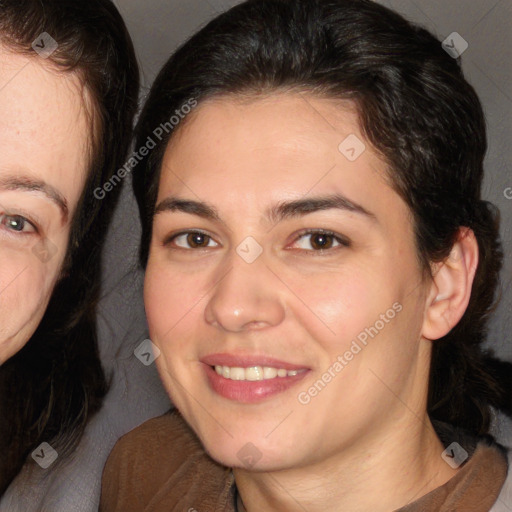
[[416, 109], [50, 389]]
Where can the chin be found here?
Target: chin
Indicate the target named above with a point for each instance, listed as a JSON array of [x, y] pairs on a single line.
[[241, 452], [249, 457]]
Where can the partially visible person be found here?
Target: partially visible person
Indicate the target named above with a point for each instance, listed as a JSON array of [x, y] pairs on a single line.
[[320, 270], [68, 93]]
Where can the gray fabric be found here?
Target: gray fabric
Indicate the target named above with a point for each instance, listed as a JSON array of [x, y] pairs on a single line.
[[158, 26]]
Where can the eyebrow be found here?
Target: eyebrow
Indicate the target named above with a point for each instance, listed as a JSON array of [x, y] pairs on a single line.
[[29, 184], [276, 213]]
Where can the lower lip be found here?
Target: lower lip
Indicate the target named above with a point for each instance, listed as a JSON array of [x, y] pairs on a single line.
[[247, 391]]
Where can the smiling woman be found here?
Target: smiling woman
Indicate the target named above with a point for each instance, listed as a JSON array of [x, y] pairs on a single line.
[[67, 100], [314, 228]]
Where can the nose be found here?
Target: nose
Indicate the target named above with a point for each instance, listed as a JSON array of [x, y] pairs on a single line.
[[245, 297]]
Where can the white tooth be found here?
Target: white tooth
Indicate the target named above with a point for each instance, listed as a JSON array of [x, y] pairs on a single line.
[[254, 373], [269, 373], [237, 373]]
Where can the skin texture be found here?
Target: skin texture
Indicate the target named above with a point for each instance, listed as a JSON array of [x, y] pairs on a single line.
[[364, 442], [44, 130]]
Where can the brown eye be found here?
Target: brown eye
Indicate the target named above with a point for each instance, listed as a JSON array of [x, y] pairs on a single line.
[[192, 240], [321, 241], [197, 240]]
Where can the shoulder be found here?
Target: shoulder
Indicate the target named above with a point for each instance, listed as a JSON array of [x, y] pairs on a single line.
[[158, 460], [505, 496], [157, 438]]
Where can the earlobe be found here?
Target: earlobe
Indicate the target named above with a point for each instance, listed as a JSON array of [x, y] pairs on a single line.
[[450, 288]]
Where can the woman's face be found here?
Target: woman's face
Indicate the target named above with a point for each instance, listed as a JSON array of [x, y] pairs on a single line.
[[283, 286], [43, 139]]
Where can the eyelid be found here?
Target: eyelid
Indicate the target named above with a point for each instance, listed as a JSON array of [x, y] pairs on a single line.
[[343, 241], [168, 239], [24, 215]]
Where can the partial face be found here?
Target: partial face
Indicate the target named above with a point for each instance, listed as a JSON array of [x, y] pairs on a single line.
[[283, 286], [43, 138]]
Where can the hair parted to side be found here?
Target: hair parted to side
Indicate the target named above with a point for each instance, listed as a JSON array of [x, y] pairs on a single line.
[[50, 389], [415, 108]]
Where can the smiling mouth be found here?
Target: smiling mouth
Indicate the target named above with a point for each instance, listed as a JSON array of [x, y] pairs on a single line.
[[250, 379], [254, 373]]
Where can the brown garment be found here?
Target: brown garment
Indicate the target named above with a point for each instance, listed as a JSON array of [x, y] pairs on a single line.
[[161, 467]]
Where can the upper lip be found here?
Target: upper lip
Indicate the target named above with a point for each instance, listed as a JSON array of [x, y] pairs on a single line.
[[246, 361]]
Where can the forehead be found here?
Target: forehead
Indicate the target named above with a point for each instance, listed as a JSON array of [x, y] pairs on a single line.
[[45, 127], [289, 121], [286, 143]]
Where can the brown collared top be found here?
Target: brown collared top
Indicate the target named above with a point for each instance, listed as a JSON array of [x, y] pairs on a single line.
[[162, 467]]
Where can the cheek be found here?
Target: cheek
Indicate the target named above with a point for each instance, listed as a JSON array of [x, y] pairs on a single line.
[[26, 286], [173, 301], [335, 307], [169, 299]]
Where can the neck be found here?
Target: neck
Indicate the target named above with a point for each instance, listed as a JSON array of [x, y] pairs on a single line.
[[385, 473]]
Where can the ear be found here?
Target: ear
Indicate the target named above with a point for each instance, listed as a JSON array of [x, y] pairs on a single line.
[[450, 289]]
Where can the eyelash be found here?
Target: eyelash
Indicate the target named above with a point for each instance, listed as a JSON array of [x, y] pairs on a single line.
[[5, 216], [343, 242]]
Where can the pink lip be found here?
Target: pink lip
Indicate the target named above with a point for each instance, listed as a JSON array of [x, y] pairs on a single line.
[[249, 391]]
